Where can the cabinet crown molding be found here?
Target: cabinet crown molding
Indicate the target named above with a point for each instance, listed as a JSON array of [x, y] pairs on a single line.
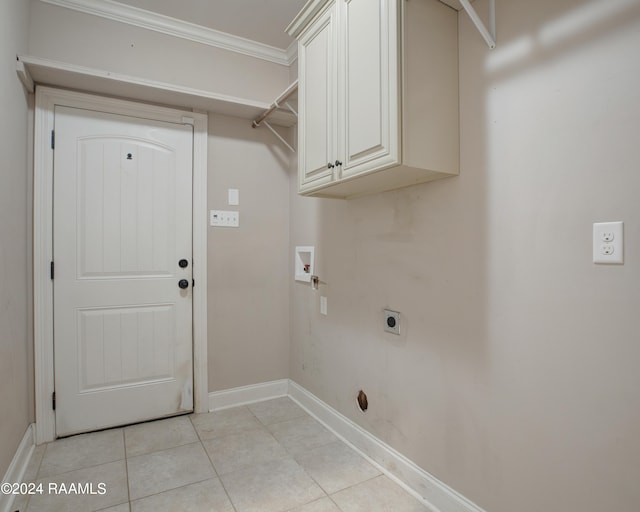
[[310, 9]]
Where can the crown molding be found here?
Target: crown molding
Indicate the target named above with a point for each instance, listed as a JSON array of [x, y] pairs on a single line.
[[292, 52], [116, 11], [310, 9]]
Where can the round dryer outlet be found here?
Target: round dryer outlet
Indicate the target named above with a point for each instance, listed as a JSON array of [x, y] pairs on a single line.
[[391, 321]]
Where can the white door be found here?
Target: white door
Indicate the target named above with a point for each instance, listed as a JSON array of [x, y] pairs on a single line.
[[121, 226]]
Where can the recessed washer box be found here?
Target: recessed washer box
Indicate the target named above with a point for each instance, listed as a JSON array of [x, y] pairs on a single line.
[[304, 263]]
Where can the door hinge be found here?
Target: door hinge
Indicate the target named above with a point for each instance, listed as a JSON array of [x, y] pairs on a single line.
[[193, 283], [51, 270], [53, 400], [53, 139]]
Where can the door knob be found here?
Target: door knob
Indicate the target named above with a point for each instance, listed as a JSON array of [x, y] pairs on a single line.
[[183, 263], [183, 283], [338, 162], [330, 165]]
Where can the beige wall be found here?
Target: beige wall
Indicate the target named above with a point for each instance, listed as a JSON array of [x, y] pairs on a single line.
[[76, 38], [248, 297], [16, 401], [248, 267], [515, 378]]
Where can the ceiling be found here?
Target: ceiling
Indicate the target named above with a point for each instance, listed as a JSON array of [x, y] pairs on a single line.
[[263, 21]]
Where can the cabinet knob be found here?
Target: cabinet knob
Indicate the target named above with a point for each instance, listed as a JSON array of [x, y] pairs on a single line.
[[338, 162], [330, 165]]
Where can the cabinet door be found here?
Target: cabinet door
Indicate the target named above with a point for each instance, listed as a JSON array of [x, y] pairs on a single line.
[[317, 100], [369, 101]]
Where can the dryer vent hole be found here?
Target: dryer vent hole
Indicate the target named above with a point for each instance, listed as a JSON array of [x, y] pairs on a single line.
[[363, 403]]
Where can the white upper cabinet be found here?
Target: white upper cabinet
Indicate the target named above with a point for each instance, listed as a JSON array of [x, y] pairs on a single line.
[[318, 127], [368, 114], [378, 95]]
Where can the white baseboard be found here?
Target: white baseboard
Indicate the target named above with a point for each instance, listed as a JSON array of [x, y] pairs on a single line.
[[435, 494], [248, 394], [18, 466]]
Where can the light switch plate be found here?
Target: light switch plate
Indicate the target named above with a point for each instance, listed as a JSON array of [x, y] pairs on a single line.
[[608, 243], [233, 197]]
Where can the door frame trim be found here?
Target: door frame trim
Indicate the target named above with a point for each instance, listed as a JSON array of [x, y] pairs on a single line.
[[46, 100]]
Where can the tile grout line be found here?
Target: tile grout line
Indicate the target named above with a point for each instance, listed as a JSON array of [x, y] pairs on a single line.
[[337, 440], [161, 450], [265, 427], [293, 457], [57, 475], [300, 418], [167, 490], [166, 450], [289, 454], [126, 468], [224, 488], [334, 502], [314, 501], [327, 495]]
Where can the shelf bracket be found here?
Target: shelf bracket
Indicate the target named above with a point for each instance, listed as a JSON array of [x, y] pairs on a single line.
[[489, 35], [272, 130], [293, 110], [24, 76], [289, 91], [282, 99]]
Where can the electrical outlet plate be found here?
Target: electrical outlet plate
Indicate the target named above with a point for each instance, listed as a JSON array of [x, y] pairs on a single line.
[[223, 218], [608, 243]]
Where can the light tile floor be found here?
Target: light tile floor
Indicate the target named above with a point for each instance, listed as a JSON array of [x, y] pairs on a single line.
[[266, 457]]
